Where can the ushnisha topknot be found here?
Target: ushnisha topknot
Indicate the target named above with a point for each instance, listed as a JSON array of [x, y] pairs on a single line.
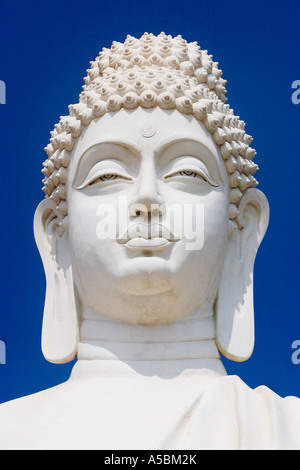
[[154, 71]]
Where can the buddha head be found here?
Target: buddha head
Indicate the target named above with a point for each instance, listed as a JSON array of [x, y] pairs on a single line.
[[151, 211]]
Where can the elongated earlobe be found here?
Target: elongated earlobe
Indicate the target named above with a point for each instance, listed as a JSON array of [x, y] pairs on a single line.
[[234, 305], [60, 323]]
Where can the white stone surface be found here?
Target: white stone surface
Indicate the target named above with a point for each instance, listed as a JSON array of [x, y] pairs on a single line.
[[112, 405], [148, 236]]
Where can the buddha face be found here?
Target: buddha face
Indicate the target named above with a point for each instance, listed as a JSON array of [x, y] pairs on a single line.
[[148, 199]]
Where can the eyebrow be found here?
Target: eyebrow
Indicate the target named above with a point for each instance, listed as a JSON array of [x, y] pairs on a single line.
[[126, 143], [179, 138]]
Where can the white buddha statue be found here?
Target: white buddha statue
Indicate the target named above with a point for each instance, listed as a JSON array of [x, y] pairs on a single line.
[[148, 236]]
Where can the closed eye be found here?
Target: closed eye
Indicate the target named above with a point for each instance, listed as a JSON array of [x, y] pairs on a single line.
[[102, 177], [107, 177], [189, 174]]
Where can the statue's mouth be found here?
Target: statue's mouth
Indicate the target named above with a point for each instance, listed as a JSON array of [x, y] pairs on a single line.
[[152, 236]]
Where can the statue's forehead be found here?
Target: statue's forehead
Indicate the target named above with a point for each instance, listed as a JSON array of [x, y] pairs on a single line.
[[142, 130]]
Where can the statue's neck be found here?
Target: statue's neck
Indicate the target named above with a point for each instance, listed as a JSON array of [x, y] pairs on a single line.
[[163, 349]]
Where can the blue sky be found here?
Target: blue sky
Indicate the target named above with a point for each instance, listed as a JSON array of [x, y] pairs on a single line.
[[45, 50]]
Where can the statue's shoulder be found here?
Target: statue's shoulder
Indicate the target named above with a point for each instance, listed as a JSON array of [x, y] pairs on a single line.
[[244, 418], [22, 419], [264, 398]]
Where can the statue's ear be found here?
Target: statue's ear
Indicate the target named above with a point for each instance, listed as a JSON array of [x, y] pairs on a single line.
[[60, 323], [234, 304]]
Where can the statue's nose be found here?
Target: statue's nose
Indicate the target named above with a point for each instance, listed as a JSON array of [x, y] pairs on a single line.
[[147, 201]]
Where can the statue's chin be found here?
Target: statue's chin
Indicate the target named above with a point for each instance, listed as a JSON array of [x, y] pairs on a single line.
[[142, 298], [145, 276], [145, 283]]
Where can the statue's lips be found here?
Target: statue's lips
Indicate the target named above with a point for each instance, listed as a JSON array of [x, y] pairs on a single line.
[[141, 236], [148, 244]]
